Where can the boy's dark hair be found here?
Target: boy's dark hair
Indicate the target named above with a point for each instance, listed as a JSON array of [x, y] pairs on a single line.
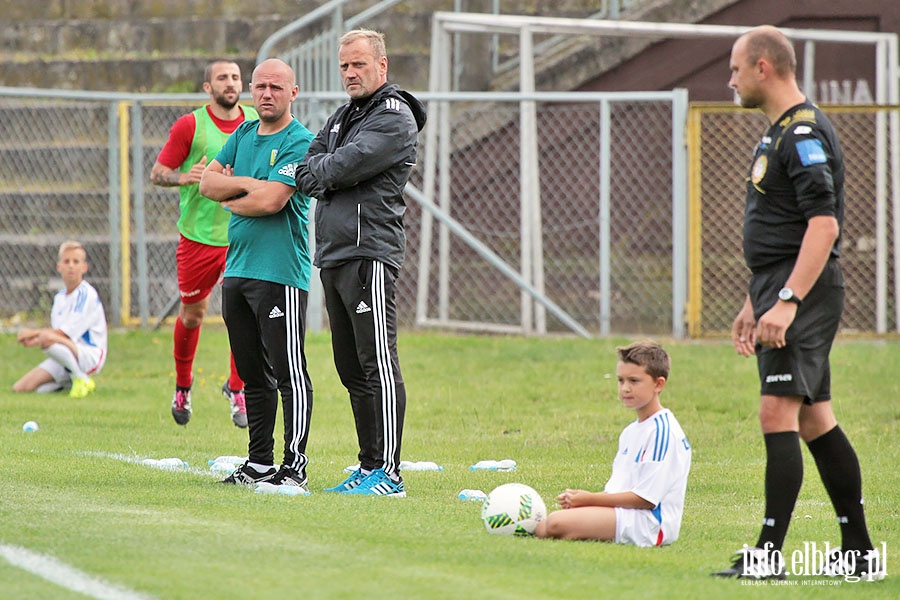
[[647, 354]]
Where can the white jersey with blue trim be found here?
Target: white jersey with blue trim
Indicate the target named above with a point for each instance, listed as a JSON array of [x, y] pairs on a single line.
[[653, 461], [80, 316]]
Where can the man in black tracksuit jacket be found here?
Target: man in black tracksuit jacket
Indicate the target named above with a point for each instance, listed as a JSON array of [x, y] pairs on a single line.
[[356, 168]]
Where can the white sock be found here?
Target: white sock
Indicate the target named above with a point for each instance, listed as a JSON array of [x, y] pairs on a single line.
[[66, 358], [46, 388], [260, 468]]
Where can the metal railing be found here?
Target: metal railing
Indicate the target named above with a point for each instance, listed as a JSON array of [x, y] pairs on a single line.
[[315, 60]]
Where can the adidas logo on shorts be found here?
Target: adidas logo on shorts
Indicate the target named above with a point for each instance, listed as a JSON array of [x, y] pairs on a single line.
[[362, 307], [275, 313]]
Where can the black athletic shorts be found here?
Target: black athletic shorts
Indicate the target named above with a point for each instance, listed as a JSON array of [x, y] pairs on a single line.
[[801, 368]]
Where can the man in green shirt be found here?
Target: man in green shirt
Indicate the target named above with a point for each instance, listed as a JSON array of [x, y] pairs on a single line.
[[266, 285]]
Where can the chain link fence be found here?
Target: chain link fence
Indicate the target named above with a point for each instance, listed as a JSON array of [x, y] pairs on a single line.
[[723, 138], [485, 197], [54, 185], [78, 166]]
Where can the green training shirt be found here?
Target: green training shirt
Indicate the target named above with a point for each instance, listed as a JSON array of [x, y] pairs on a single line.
[[273, 247]]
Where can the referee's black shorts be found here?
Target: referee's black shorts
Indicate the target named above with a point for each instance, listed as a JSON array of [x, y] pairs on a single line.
[[801, 368]]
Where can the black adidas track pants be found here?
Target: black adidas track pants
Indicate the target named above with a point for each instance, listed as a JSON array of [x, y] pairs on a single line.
[[266, 329], [359, 297]]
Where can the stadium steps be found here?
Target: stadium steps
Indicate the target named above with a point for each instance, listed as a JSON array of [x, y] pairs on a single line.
[[121, 45], [139, 47], [162, 46]]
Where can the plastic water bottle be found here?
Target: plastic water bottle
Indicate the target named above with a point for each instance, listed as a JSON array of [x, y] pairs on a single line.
[[424, 465], [235, 460], [504, 465], [281, 490], [223, 467], [165, 463], [474, 495]]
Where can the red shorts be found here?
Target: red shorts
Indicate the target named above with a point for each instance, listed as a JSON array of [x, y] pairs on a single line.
[[200, 268]]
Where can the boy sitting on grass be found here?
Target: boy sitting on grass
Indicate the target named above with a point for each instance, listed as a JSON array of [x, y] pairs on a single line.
[[643, 500], [75, 342]]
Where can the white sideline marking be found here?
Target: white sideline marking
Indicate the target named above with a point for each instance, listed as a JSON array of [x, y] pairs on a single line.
[[63, 575], [139, 460]]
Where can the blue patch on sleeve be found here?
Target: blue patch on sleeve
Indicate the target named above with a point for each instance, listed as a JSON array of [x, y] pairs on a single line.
[[811, 152]]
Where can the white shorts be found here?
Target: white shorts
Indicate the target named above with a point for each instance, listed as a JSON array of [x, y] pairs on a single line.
[[639, 527], [90, 358]]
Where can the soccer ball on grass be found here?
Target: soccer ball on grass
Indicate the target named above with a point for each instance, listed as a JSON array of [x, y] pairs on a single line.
[[513, 509]]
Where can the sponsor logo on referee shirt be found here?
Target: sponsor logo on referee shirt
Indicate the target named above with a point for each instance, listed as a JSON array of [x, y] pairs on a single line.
[[811, 152]]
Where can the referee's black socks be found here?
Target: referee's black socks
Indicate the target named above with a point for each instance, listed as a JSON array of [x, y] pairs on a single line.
[[784, 475], [839, 468]]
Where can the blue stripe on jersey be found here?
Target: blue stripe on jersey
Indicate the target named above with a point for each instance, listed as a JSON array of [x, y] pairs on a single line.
[[657, 512], [80, 301], [663, 432]]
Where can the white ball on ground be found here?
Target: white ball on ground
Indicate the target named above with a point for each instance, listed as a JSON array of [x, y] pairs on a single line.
[[30, 426], [513, 509]]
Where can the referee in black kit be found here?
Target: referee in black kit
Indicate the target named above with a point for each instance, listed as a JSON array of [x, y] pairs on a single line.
[[793, 219]]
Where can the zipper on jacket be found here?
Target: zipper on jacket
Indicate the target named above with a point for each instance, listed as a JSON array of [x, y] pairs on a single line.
[[358, 208]]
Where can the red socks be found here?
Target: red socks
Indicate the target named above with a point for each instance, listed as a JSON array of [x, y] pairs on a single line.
[[185, 350], [234, 380]]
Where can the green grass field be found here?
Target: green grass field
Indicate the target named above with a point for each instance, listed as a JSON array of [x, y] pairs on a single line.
[[75, 490]]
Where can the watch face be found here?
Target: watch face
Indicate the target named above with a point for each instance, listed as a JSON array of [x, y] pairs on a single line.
[[787, 295]]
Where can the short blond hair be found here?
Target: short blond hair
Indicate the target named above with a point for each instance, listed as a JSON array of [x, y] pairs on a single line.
[[70, 245], [376, 40]]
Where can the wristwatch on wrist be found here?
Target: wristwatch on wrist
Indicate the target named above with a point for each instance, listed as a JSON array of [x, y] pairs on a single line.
[[787, 295]]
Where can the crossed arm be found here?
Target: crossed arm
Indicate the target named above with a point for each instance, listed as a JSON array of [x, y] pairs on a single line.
[[242, 195]]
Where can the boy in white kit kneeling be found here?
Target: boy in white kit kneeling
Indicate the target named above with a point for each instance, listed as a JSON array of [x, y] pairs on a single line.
[[75, 342]]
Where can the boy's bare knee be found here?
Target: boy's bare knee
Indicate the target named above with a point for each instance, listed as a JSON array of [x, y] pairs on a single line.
[[549, 528]]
